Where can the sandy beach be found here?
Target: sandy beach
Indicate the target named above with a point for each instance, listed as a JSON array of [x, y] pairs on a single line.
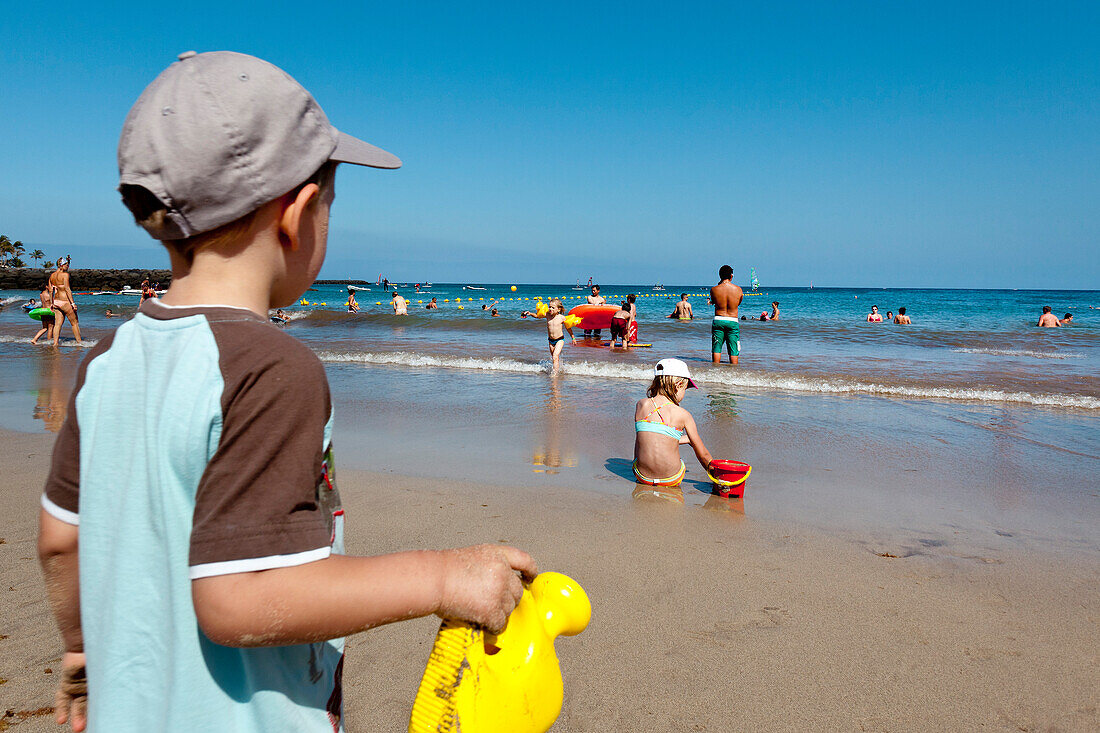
[[704, 618]]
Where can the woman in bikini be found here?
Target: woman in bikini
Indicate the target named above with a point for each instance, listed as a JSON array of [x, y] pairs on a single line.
[[63, 302], [661, 426]]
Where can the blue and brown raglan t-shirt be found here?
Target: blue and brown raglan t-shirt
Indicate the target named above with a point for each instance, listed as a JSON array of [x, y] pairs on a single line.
[[197, 443]]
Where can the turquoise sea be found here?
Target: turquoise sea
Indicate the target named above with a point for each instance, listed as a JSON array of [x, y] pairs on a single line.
[[971, 417]]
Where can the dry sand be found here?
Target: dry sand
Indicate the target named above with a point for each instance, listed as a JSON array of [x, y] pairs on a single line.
[[704, 619]]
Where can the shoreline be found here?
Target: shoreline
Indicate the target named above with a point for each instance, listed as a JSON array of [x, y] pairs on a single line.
[[739, 623]]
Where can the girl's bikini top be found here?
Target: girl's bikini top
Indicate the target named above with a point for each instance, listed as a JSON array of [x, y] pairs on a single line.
[[645, 426]]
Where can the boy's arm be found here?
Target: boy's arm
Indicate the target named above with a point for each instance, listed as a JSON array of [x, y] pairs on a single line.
[[57, 553], [342, 595]]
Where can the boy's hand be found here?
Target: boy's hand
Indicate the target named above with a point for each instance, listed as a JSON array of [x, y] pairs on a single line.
[[480, 584], [71, 702]]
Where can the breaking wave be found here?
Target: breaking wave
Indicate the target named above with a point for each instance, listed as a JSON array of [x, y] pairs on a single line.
[[1020, 352], [723, 377]]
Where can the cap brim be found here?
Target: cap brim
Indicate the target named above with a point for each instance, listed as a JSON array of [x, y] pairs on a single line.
[[353, 150], [691, 383]]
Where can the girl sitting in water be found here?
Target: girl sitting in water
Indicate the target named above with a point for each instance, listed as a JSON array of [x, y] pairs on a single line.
[[661, 426], [555, 322]]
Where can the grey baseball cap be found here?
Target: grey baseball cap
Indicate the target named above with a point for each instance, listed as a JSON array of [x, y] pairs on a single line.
[[218, 135]]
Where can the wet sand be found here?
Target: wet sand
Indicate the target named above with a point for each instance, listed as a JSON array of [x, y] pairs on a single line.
[[705, 617]]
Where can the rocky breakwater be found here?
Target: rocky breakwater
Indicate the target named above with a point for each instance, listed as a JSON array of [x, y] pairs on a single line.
[[33, 278]]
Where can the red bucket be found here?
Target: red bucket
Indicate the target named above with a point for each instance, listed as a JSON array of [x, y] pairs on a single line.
[[729, 476]]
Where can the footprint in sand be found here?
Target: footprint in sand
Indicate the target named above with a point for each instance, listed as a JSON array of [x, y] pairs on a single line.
[[768, 617]]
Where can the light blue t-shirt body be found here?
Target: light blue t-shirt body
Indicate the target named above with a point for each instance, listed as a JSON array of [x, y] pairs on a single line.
[[202, 438]]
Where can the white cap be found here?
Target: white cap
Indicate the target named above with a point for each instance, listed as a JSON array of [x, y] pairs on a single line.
[[673, 368]]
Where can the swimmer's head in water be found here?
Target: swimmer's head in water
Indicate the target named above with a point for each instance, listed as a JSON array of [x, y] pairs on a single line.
[[901, 311], [1046, 309]]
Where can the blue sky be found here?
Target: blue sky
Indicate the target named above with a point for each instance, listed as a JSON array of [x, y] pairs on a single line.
[[878, 144]]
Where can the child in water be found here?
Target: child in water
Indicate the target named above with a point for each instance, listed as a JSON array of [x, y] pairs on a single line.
[[661, 426], [555, 322]]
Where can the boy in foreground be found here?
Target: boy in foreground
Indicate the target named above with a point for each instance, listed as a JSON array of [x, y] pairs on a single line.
[[191, 534]]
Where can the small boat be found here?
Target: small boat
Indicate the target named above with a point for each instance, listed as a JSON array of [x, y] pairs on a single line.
[[754, 282], [472, 287], [357, 288], [578, 285], [658, 286]]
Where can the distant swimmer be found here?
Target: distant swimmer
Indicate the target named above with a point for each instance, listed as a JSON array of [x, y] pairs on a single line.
[[890, 316], [279, 317], [494, 313], [1066, 320], [1048, 319], [874, 316], [725, 331], [431, 305], [775, 310], [111, 314], [353, 305], [619, 325], [682, 310], [526, 314], [400, 306], [901, 319]]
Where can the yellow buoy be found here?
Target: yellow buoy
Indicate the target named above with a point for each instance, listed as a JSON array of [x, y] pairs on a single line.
[[513, 288]]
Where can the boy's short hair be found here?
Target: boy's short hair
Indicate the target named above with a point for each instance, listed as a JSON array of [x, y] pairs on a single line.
[[152, 216], [1046, 309], [216, 136], [725, 272], [901, 311]]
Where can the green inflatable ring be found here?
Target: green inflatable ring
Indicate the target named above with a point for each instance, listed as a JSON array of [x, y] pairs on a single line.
[[38, 313]]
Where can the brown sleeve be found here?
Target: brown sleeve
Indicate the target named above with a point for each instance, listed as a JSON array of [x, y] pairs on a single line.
[[63, 484], [258, 496]]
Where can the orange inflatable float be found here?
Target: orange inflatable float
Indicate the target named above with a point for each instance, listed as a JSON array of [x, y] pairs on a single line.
[[591, 317]]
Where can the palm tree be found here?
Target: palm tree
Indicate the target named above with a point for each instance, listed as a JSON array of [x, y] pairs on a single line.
[[7, 249], [37, 255]]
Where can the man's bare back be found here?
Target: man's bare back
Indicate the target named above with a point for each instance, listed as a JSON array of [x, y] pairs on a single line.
[[726, 298]]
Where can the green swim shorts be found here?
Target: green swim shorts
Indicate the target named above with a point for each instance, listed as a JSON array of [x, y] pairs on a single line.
[[725, 332]]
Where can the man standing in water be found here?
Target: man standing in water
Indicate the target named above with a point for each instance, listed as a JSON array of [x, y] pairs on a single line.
[[725, 330], [1047, 320], [594, 299], [683, 309]]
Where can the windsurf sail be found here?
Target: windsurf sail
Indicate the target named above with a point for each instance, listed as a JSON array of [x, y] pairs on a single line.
[[753, 280]]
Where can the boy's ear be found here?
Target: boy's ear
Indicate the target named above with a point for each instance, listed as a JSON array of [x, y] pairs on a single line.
[[294, 207]]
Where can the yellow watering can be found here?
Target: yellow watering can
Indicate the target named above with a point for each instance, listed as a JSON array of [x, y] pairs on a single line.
[[511, 683]]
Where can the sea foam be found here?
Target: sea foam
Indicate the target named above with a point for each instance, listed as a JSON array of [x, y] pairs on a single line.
[[724, 377]]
